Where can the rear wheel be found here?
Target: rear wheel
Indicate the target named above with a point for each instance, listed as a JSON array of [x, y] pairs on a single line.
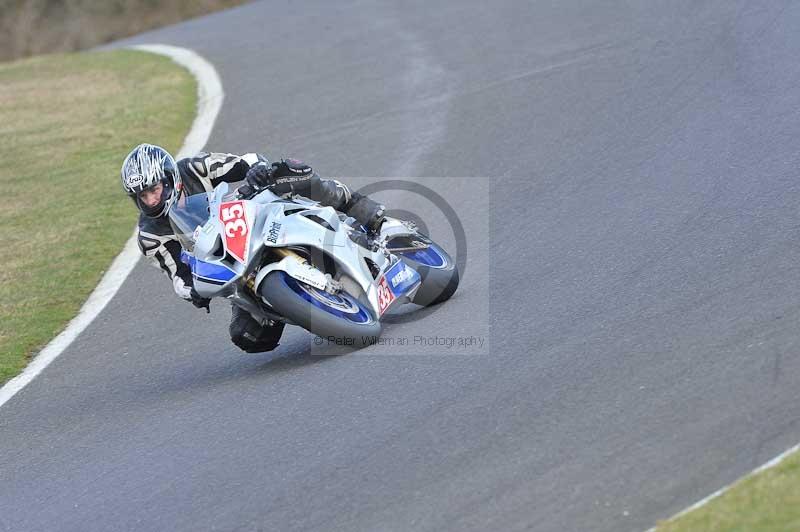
[[338, 317], [437, 269]]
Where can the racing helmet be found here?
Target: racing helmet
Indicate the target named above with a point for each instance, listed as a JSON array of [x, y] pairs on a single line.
[[145, 167]]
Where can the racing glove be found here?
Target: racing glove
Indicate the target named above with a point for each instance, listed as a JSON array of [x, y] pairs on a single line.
[[200, 302], [259, 175], [290, 175], [189, 294]]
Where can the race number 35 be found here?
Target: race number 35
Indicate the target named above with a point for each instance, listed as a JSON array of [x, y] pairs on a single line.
[[385, 296], [234, 220], [233, 217]]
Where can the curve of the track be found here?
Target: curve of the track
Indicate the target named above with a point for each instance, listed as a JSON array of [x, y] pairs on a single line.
[[631, 215]]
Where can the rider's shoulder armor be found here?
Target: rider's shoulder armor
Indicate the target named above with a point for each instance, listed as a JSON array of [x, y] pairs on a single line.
[[158, 242], [205, 170], [154, 233]]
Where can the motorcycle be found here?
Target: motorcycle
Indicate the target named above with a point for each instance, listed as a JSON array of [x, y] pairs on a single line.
[[295, 261]]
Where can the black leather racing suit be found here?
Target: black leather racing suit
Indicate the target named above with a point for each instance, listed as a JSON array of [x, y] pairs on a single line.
[[202, 173]]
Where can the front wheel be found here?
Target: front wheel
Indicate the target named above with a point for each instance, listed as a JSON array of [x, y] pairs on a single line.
[[437, 269], [338, 317]]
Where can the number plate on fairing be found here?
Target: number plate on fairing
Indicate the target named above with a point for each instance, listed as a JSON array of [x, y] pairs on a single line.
[[397, 281], [233, 215]]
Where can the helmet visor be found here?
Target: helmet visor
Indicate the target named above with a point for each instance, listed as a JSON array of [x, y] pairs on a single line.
[[150, 196], [152, 200]]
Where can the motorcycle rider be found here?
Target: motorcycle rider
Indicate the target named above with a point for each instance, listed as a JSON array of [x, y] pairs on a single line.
[[154, 181]]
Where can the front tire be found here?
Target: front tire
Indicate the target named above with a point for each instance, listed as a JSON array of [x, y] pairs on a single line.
[[341, 317], [437, 269]]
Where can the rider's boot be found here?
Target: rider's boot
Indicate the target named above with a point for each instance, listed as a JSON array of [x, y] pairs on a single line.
[[251, 336], [367, 212]]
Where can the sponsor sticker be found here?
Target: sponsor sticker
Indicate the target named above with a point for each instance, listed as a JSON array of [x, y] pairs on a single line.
[[134, 180], [398, 280], [401, 278], [274, 232]]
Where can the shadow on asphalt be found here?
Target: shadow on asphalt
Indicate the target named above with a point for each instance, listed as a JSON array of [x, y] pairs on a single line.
[[203, 372], [235, 366]]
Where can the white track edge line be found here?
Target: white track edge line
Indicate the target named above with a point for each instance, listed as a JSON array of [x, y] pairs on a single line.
[[209, 103], [763, 467]]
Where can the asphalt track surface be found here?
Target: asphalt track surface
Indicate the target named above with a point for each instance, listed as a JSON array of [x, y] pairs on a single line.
[[627, 177]]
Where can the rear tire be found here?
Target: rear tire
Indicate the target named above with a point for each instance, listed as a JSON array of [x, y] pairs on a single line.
[[341, 319]]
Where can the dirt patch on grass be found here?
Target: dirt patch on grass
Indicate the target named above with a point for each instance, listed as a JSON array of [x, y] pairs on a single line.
[[32, 27]]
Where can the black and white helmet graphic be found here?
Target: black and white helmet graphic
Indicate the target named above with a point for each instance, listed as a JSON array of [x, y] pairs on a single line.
[[145, 169]]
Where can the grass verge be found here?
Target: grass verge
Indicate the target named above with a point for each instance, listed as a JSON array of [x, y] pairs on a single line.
[[768, 501], [67, 123]]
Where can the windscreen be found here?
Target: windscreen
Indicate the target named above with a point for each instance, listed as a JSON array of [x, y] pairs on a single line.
[[186, 216]]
